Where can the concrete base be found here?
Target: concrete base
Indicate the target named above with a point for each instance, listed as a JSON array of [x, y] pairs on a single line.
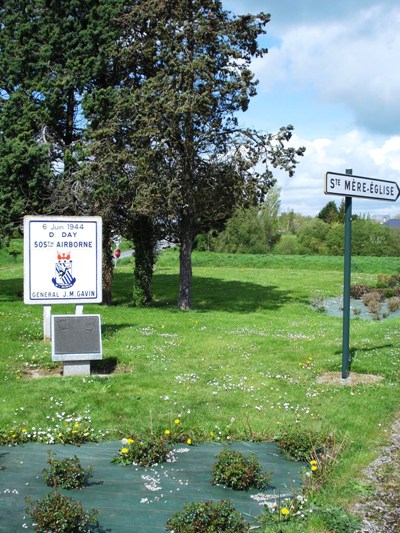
[[76, 368]]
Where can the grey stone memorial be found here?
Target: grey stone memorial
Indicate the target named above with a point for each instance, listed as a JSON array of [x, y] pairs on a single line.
[[76, 340]]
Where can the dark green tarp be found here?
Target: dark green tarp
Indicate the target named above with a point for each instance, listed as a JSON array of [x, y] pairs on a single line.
[[135, 499]]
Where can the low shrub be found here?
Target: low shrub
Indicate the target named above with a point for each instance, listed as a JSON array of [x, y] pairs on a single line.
[[374, 307], [144, 452], [56, 513], [358, 290], [301, 445], [393, 304], [386, 281], [207, 517], [372, 296], [236, 471], [66, 473]]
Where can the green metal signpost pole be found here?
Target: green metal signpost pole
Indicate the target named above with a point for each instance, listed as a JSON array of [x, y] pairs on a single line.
[[346, 286]]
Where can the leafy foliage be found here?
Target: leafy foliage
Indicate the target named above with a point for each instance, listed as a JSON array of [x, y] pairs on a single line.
[[300, 445], [57, 513], [207, 517], [252, 230], [188, 162], [338, 520], [144, 452], [312, 235], [66, 473], [330, 213], [357, 290], [233, 469]]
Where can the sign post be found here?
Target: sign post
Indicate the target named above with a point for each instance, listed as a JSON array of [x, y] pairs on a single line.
[[62, 260], [63, 264], [346, 286], [354, 186]]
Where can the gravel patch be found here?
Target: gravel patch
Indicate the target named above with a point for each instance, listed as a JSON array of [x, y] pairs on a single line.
[[380, 511]]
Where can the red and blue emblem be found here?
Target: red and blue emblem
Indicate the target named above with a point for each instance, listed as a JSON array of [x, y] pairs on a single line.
[[63, 278]]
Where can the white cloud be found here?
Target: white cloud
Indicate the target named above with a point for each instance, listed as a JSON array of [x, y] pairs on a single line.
[[304, 193], [350, 61], [388, 154], [331, 71]]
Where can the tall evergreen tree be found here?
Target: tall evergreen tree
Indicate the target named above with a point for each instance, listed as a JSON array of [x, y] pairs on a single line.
[[193, 61], [52, 54], [329, 213]]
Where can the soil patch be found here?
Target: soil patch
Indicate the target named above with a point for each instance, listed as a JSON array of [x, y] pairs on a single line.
[[335, 378], [96, 370]]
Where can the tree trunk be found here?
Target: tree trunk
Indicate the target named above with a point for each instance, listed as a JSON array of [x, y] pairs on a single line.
[[108, 266], [144, 239], [185, 264]]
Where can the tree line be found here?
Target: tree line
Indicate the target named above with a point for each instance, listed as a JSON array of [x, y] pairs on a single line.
[[129, 110], [264, 229]]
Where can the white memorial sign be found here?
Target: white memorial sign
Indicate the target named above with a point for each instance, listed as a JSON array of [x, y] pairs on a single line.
[[62, 260]]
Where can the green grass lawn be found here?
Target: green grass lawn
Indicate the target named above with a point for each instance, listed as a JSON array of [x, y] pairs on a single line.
[[242, 365]]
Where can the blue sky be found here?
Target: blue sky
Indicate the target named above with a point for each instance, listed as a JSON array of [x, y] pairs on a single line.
[[333, 71]]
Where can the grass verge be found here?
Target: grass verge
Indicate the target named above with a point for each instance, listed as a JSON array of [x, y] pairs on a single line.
[[242, 365]]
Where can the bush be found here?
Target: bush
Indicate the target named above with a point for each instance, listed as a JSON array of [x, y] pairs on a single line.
[[287, 245], [253, 231], [56, 513], [66, 473], [236, 471], [358, 290], [386, 281], [373, 296], [393, 304], [207, 517], [144, 452], [302, 446]]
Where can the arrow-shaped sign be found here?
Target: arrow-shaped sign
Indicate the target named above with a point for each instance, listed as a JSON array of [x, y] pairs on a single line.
[[349, 185]]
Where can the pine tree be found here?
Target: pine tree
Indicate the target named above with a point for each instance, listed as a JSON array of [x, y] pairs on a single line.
[[53, 55], [194, 163]]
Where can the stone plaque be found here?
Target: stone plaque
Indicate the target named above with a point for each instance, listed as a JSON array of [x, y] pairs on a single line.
[[76, 337]]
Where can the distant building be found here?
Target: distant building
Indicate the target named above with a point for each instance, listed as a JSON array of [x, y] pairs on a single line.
[[380, 218], [393, 223]]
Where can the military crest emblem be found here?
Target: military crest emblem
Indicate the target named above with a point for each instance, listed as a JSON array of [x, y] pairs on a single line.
[[63, 271]]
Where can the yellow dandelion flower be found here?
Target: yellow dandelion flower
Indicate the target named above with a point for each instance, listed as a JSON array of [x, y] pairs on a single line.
[[285, 511], [167, 431], [24, 430], [177, 421], [314, 468], [189, 441], [130, 441], [76, 425], [211, 433], [313, 462], [74, 431], [124, 450]]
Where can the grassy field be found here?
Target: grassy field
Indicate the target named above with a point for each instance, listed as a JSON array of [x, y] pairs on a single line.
[[242, 365]]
